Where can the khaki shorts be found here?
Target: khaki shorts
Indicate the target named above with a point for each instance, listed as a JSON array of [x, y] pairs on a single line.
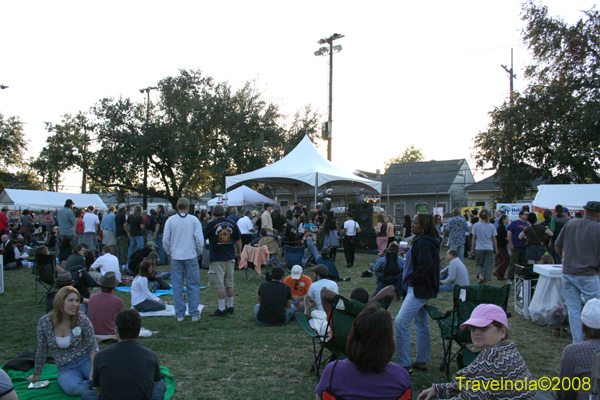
[[220, 274]]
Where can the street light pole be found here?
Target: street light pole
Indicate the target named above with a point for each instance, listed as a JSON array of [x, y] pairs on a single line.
[[322, 52], [145, 183]]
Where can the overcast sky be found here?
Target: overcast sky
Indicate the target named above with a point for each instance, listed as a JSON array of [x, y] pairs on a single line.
[[409, 73]]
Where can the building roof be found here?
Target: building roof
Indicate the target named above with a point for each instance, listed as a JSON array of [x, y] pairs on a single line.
[[421, 177], [491, 183]]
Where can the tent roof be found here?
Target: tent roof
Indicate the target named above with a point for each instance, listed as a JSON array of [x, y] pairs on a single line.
[[242, 196], [303, 167], [40, 200], [570, 196]]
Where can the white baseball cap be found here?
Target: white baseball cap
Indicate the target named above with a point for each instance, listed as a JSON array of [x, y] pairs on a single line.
[[296, 272], [590, 315]]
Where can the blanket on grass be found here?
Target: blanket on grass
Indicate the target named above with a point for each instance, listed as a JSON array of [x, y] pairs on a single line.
[[159, 292], [169, 311], [54, 392]]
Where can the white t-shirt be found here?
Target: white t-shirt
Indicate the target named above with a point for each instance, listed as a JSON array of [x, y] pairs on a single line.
[[245, 224], [350, 227], [106, 263], [140, 292], [315, 290], [89, 222]]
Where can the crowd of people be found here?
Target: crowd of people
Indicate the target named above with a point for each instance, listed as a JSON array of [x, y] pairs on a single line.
[[137, 243]]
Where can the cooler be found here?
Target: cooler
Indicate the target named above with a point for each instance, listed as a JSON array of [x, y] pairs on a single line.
[[525, 281]]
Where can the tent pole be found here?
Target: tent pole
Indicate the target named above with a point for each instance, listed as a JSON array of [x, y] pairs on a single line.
[[316, 188]]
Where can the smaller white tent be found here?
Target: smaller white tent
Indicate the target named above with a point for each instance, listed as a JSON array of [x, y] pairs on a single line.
[[36, 200], [242, 196], [574, 197]]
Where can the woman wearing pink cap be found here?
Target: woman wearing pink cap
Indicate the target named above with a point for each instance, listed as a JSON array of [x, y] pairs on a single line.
[[499, 361]]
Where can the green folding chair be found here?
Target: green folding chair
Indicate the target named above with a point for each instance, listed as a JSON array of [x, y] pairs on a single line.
[[465, 299]]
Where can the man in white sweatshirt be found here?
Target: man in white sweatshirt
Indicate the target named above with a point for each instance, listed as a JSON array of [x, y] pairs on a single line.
[[183, 242]]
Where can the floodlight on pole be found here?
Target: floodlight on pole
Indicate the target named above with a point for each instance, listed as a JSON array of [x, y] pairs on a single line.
[[323, 51], [145, 196]]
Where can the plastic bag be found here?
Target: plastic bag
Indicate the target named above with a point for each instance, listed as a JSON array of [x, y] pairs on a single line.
[[548, 304]]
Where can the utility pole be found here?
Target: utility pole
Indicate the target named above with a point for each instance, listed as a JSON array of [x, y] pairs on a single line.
[[145, 183], [511, 75], [323, 51]]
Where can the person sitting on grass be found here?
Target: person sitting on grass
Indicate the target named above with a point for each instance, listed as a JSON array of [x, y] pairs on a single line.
[[275, 301], [126, 370], [141, 298], [499, 360], [107, 262], [454, 274], [577, 358], [330, 264], [299, 284], [137, 257], [367, 373], [70, 336], [383, 278], [103, 307]]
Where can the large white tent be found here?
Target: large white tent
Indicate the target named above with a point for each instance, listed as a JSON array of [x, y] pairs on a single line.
[[39, 200], [303, 168], [574, 197], [242, 196]]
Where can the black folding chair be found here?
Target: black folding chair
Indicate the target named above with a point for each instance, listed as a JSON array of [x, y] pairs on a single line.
[[44, 280]]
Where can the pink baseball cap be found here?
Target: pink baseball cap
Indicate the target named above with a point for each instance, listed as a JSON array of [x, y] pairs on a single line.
[[485, 314]]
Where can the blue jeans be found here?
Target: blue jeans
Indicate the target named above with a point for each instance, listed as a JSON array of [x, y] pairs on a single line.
[[311, 249], [576, 287], [289, 314], [191, 271], [135, 243], [162, 256], [74, 377], [446, 288], [158, 392], [461, 250], [412, 308]]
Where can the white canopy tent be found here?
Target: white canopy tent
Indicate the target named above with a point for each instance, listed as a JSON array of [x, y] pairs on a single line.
[[574, 197], [303, 168], [36, 200], [242, 196]]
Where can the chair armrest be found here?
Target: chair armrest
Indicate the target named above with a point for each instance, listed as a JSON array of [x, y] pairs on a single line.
[[435, 314], [302, 321]]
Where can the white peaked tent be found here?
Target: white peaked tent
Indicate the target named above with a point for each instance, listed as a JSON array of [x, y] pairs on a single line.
[[242, 196], [574, 197], [38, 200], [303, 168]]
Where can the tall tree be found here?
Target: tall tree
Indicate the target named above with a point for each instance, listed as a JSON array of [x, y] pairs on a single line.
[[12, 142], [553, 127], [410, 154]]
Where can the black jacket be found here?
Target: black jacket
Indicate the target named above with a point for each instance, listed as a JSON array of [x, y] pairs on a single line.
[[425, 278]]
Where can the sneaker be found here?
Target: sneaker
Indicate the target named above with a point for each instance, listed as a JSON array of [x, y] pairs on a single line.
[[218, 313], [408, 369], [195, 318], [229, 310], [421, 366], [179, 319]]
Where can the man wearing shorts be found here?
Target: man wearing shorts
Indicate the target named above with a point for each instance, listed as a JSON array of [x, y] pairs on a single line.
[[223, 235]]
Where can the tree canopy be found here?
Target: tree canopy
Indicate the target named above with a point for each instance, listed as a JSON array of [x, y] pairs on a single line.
[[12, 142], [551, 130], [410, 154], [197, 132]]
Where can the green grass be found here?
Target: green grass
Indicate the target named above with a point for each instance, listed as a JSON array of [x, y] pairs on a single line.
[[234, 358]]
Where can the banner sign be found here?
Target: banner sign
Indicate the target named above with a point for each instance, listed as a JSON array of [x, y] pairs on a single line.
[[512, 209]]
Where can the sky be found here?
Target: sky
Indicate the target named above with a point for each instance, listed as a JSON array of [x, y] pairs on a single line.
[[409, 73]]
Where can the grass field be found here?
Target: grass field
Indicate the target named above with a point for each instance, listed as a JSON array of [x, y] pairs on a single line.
[[234, 358]]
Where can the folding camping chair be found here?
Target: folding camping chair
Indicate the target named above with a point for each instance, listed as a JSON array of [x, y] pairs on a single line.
[[465, 299], [293, 256], [249, 258], [339, 324], [594, 393], [44, 280]]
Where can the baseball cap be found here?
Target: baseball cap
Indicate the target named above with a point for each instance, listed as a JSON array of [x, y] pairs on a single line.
[[590, 315], [150, 243], [121, 206], [296, 272], [485, 314]]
